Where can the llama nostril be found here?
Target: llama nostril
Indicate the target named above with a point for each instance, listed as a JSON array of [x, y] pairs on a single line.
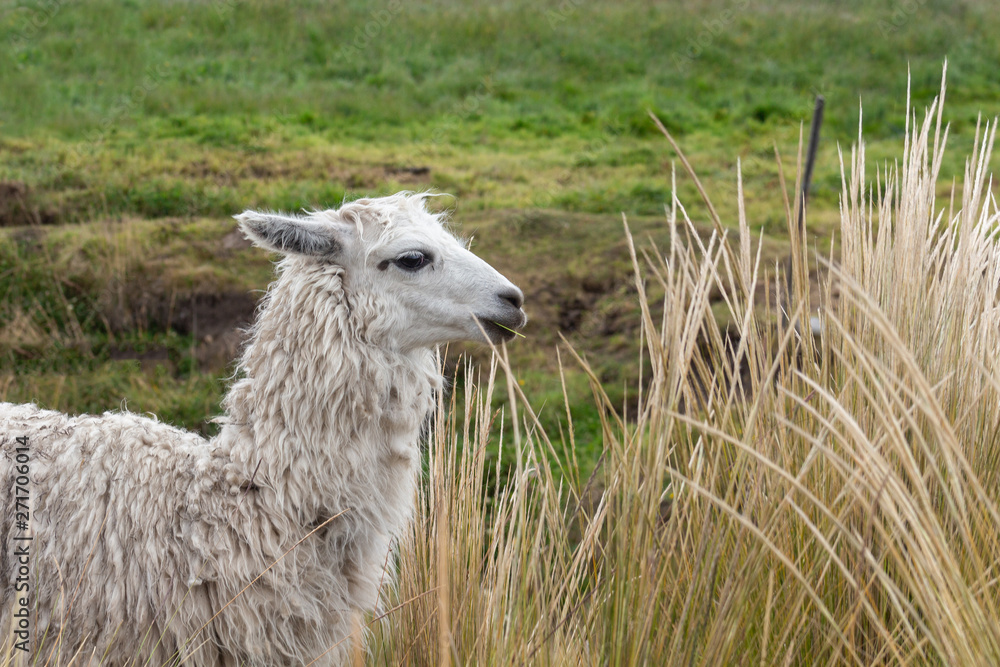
[[513, 296]]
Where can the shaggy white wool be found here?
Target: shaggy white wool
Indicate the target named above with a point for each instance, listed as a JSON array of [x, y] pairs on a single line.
[[144, 532]]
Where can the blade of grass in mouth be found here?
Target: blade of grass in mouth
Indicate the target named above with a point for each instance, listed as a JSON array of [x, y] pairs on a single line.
[[516, 333]]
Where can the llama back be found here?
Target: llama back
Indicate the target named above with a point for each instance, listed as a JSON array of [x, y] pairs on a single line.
[[133, 552], [112, 488]]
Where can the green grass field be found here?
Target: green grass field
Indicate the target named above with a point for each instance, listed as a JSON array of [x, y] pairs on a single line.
[[131, 132]]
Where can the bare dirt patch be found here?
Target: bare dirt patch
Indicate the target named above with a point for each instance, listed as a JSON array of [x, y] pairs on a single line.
[[18, 208]]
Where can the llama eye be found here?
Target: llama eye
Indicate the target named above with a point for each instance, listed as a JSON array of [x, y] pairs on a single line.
[[413, 261]]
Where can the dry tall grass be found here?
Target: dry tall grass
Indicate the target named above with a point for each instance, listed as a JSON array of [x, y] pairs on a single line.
[[780, 499]]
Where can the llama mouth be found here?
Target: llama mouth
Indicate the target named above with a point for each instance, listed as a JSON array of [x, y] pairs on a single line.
[[501, 330]]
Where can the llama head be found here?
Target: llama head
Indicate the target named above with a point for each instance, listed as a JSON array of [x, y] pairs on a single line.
[[408, 282]]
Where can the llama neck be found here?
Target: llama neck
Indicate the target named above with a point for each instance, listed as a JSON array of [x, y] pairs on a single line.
[[318, 400]]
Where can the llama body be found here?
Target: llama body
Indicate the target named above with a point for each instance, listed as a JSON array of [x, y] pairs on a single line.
[[339, 377]]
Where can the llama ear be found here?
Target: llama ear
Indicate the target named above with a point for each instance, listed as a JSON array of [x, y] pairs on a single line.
[[289, 234]]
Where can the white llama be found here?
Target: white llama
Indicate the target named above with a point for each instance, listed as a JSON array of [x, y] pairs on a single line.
[[145, 535]]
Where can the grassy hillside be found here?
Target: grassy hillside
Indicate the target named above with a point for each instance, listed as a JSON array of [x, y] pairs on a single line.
[[199, 108], [129, 132]]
